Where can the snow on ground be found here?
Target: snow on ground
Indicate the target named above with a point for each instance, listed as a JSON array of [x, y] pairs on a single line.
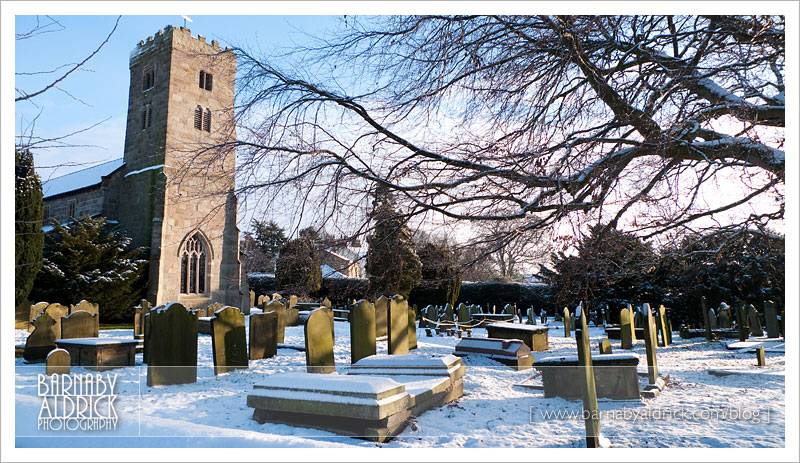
[[492, 413]]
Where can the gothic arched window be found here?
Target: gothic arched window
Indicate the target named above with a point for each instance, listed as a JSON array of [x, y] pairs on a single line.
[[194, 262]]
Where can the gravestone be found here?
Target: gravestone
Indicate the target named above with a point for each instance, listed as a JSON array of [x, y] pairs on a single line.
[[543, 320], [669, 331], [292, 311], [276, 296], [86, 306], [463, 313], [398, 326], [754, 321], [35, 311], [760, 359], [531, 316], [319, 342], [590, 410], [741, 321], [627, 332], [57, 312], [381, 315], [724, 316], [412, 328], [58, 362], [638, 320], [650, 343], [508, 309], [138, 318], [771, 319], [706, 321], [712, 319], [228, 340], [326, 303], [280, 312], [171, 334], [263, 335], [567, 324], [79, 324], [212, 309], [42, 339], [362, 331], [260, 300], [605, 346], [449, 315], [661, 321], [252, 298]]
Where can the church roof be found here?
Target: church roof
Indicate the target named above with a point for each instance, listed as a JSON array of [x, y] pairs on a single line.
[[80, 179]]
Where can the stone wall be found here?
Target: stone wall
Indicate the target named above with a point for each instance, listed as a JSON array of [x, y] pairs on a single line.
[[87, 201]]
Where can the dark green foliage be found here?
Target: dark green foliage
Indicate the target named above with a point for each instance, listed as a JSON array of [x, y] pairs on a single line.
[[490, 293], [298, 268], [441, 280], [269, 236], [343, 290], [87, 260], [610, 270], [28, 235], [392, 264]]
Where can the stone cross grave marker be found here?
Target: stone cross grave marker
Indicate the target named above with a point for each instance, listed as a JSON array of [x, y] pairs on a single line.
[[263, 335], [398, 326], [42, 339], [771, 319], [567, 331], [172, 337], [605, 346], [79, 324], [277, 307], [590, 409], [362, 331], [57, 362], [138, 318], [228, 340], [319, 342], [754, 321], [650, 343], [381, 315], [412, 328], [706, 321], [627, 332]]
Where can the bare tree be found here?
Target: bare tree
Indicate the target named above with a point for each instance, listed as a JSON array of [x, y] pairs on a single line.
[[654, 123]]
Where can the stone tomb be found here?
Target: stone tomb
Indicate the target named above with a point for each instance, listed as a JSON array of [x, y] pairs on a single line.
[[366, 407], [319, 342], [100, 354], [171, 333], [535, 336], [58, 362], [80, 324], [511, 352], [228, 340], [615, 376], [263, 335], [362, 331]]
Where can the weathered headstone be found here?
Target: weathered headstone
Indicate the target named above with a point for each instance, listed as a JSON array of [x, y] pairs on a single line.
[[228, 340], [724, 317], [449, 315], [650, 343], [463, 313], [57, 362], [398, 325], [292, 311], [605, 346], [590, 409], [567, 324], [86, 306], [669, 331], [412, 328], [638, 319], [252, 298], [35, 311], [260, 300], [138, 318], [627, 332], [362, 331], [276, 296], [771, 319], [706, 321], [508, 309], [661, 321], [57, 312], [381, 314], [754, 321], [712, 319], [760, 358], [79, 324], [543, 319], [326, 303], [263, 335], [172, 337], [280, 312], [42, 339], [741, 321], [319, 342]]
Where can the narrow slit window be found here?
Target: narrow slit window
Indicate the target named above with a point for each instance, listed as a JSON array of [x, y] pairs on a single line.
[[207, 120], [148, 79]]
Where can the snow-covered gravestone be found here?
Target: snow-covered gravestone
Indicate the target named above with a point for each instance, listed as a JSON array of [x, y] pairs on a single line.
[[650, 343], [741, 321], [263, 335], [381, 314], [319, 342], [771, 319], [590, 410], [448, 313], [79, 324], [412, 328], [172, 338], [42, 339], [398, 325], [57, 363], [362, 331], [755, 322], [567, 324], [228, 340], [508, 309], [35, 311], [277, 307], [724, 317], [138, 318], [627, 332], [463, 313]]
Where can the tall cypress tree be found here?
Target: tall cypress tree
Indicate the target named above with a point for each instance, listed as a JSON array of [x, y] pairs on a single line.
[[28, 235]]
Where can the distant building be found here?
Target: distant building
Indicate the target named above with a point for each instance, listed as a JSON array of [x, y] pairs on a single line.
[[166, 192], [336, 262]]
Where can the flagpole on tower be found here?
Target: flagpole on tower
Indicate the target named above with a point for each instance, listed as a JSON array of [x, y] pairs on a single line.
[[185, 18]]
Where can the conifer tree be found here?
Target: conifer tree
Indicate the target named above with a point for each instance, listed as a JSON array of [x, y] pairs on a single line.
[[298, 268], [28, 235]]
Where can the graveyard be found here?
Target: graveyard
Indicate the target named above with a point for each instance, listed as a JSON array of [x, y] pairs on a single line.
[[483, 400]]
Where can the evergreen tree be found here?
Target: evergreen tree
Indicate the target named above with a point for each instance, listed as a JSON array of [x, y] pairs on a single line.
[[441, 279], [86, 260], [392, 264], [28, 235], [298, 268], [269, 236]]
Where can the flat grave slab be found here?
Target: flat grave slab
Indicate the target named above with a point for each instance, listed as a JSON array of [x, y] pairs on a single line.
[[511, 352], [100, 353], [535, 336], [615, 376], [749, 371], [769, 345]]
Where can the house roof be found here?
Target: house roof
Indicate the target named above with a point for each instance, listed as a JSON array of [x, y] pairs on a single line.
[[80, 179]]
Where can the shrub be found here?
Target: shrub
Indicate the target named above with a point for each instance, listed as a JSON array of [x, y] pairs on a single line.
[[297, 269], [441, 280]]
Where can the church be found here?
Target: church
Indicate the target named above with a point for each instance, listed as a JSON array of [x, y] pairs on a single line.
[[173, 189]]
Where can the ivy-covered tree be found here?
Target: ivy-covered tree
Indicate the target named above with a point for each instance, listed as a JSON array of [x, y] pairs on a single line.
[[441, 278], [298, 268], [87, 259], [28, 235], [392, 264]]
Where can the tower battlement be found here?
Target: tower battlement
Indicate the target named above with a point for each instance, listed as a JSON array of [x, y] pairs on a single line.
[[169, 33]]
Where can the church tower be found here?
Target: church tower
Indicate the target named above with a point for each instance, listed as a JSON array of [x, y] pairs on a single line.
[[174, 192]]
